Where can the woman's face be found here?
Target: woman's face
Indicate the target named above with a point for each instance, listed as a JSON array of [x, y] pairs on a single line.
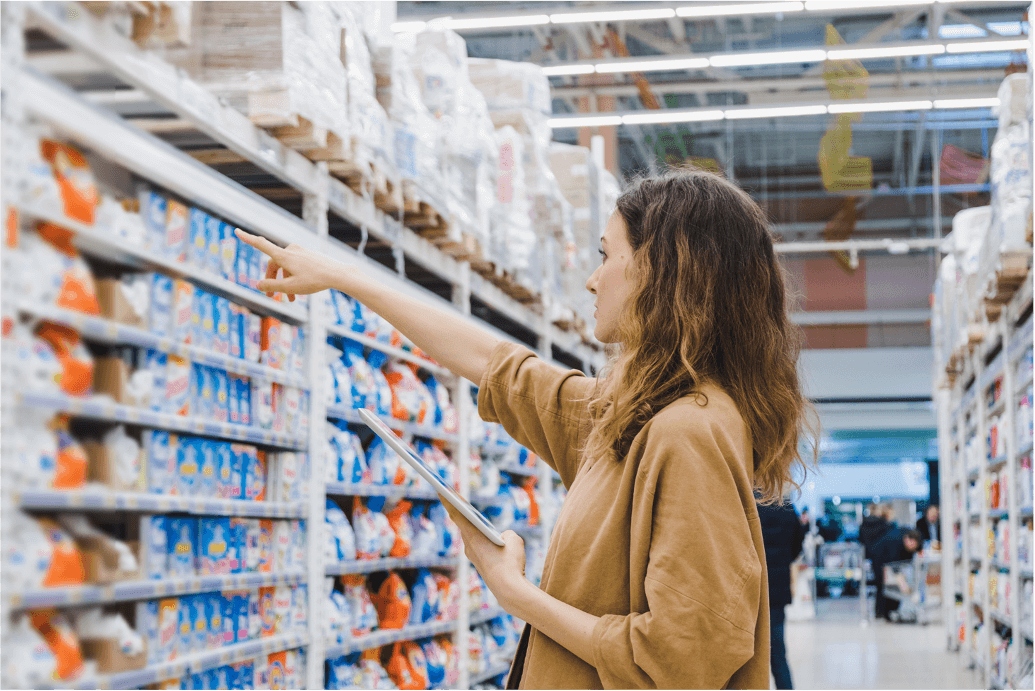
[[611, 283]]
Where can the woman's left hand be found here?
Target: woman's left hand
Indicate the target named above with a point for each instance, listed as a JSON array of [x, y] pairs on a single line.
[[502, 568]]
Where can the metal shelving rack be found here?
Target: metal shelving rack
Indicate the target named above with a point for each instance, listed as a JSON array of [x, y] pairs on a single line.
[[963, 415], [30, 93]]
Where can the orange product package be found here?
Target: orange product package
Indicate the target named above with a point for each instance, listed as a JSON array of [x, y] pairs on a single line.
[[66, 561], [399, 519], [448, 597], [76, 361], [277, 670], [62, 641], [74, 178], [70, 472], [78, 291], [533, 503], [402, 672], [408, 403], [393, 604], [270, 343]]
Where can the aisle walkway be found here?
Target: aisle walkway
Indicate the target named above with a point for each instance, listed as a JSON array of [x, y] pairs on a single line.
[[835, 652]]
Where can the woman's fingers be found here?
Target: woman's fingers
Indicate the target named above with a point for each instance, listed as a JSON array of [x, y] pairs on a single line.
[[258, 242], [271, 274]]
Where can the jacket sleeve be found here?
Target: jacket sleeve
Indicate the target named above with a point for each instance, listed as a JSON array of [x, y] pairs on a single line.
[[704, 577], [545, 408]]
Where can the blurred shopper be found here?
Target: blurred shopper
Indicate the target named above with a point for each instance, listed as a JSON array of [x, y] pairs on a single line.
[[897, 545], [874, 527], [782, 536], [928, 526]]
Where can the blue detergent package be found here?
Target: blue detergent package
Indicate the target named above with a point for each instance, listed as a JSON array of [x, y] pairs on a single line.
[[233, 399], [162, 461], [183, 546], [223, 324], [156, 364], [254, 267], [197, 248], [237, 556], [160, 315], [243, 255], [153, 214], [195, 606], [218, 677], [215, 546], [242, 610], [214, 615], [235, 488], [185, 629], [227, 251], [425, 598], [194, 680], [212, 234], [203, 319], [229, 617], [154, 547], [188, 469], [221, 396], [224, 469], [243, 393], [208, 469]]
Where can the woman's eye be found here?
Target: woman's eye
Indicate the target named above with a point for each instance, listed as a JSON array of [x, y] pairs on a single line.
[[602, 253]]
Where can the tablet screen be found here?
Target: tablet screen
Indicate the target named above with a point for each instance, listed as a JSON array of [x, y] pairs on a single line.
[[428, 473]]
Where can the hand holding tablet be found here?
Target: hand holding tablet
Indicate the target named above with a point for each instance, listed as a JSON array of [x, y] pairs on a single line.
[[407, 453]]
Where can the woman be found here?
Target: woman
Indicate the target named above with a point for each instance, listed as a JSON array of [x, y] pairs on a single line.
[[655, 575]]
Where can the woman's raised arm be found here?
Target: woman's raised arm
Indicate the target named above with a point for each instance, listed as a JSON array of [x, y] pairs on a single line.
[[454, 342]]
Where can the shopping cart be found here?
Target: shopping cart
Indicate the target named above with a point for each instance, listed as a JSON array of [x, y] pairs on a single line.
[[839, 571], [916, 585]]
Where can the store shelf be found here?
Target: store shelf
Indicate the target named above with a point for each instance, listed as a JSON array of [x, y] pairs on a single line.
[[998, 513], [379, 638], [225, 655], [96, 242], [397, 353], [973, 474], [1026, 451], [1025, 572], [495, 670], [482, 616], [1024, 512], [105, 500], [374, 565], [1023, 385], [341, 412], [975, 562], [974, 517], [348, 489], [999, 565], [105, 409], [147, 589], [997, 463], [107, 331]]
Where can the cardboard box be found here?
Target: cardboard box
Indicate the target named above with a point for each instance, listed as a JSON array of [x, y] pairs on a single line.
[[111, 376], [109, 656], [100, 467], [116, 306], [101, 562]]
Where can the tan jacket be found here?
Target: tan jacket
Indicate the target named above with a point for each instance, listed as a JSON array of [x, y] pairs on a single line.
[[665, 547]]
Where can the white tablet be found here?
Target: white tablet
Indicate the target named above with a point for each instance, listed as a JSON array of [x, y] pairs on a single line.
[[410, 456]]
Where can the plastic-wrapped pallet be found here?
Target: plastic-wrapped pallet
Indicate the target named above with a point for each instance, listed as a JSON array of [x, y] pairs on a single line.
[[970, 229], [440, 64], [274, 61], [1007, 248], [416, 132], [514, 241]]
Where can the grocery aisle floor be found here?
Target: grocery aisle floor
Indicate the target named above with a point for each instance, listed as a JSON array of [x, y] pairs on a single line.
[[834, 651]]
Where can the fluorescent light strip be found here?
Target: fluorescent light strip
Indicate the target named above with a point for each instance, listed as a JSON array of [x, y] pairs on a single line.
[[777, 112], [889, 52], [614, 16], [589, 121], [967, 103], [494, 22], [564, 70], [748, 8], [835, 108], [664, 116], [773, 58], [652, 65], [824, 5], [988, 46]]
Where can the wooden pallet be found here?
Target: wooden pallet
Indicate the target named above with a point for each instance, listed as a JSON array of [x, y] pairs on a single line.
[[422, 217], [1011, 274]]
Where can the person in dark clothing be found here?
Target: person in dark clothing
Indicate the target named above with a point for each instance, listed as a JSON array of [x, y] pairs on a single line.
[[874, 526], [829, 528], [897, 545], [928, 526], [782, 537]]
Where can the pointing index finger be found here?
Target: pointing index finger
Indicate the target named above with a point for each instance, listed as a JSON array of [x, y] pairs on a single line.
[[258, 242]]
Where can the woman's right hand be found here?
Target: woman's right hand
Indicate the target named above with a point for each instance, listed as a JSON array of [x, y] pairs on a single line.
[[304, 271]]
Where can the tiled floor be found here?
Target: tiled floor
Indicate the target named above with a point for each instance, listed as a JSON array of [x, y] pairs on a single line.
[[835, 651]]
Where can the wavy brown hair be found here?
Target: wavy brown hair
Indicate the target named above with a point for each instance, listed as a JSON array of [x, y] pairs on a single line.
[[709, 305]]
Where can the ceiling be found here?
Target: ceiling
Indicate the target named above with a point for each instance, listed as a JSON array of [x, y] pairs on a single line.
[[777, 159]]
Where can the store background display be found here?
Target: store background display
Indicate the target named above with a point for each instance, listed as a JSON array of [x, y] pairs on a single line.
[[191, 502]]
